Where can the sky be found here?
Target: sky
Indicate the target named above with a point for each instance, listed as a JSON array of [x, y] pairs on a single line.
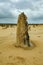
[[10, 9]]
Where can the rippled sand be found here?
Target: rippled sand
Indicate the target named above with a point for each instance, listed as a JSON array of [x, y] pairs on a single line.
[[10, 55]]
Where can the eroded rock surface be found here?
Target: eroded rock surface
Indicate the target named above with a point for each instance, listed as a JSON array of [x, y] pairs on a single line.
[[22, 31]]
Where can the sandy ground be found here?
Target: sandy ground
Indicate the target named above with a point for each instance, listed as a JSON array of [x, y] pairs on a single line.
[[10, 55]]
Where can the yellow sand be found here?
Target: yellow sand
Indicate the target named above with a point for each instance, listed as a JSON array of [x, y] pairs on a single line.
[[10, 55]]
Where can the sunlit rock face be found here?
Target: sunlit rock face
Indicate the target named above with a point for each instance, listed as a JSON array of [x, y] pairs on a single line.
[[22, 31]]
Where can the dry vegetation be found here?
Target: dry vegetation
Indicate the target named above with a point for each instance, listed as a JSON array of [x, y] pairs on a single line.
[[10, 55]]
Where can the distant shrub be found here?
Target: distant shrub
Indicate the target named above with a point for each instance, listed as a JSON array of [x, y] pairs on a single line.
[[34, 26]]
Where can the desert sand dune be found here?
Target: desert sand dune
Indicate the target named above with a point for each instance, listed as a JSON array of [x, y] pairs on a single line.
[[10, 55]]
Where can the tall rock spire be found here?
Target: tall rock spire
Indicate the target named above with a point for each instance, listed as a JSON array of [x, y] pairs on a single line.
[[22, 31]]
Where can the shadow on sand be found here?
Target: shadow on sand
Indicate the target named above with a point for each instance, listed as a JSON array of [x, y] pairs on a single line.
[[32, 46]]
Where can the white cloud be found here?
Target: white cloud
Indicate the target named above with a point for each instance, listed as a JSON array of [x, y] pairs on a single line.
[[32, 8], [4, 5], [1, 5], [15, 1], [14, 12]]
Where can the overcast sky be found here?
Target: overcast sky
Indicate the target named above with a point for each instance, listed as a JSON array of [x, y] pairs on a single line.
[[10, 9]]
